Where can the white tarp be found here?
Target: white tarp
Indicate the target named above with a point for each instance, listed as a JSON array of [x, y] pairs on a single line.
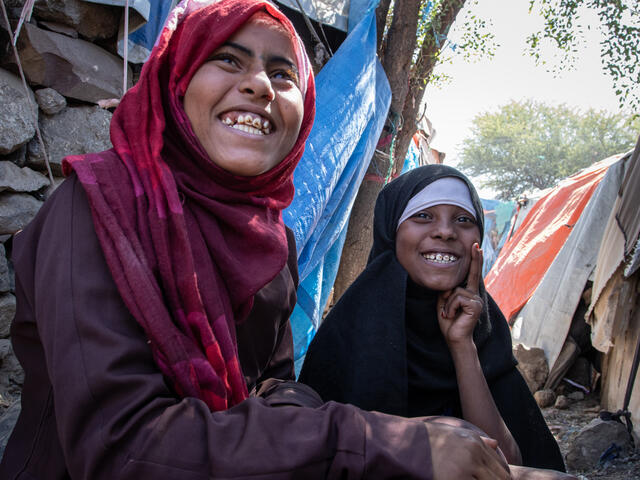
[[330, 12], [545, 320]]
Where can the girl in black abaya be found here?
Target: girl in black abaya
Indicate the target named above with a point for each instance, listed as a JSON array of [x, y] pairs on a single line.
[[417, 334]]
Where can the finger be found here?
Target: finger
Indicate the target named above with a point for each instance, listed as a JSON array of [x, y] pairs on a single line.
[[466, 302], [473, 278], [442, 301]]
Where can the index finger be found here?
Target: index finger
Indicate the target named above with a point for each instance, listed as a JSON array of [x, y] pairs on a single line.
[[473, 279]]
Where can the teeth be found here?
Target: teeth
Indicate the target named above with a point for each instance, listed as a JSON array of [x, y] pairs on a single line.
[[249, 124], [247, 129], [440, 257]]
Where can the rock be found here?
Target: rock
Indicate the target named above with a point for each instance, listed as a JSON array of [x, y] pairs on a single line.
[[533, 366], [91, 20], [16, 211], [545, 398], [7, 422], [73, 131], [5, 280], [576, 396], [593, 440], [74, 67], [57, 181], [11, 374], [562, 402], [7, 312], [19, 156], [59, 28], [18, 113], [16, 179], [50, 101]]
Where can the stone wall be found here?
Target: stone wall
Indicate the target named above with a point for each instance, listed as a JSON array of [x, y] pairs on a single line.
[[67, 54]]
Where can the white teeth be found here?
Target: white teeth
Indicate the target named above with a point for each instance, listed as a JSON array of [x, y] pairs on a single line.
[[247, 129], [227, 121], [440, 257], [257, 123], [240, 119], [265, 125]]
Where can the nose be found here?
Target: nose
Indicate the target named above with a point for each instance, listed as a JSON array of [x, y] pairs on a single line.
[[256, 83], [444, 229]]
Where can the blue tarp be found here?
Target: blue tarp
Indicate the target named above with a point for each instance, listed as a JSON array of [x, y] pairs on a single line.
[[353, 98]]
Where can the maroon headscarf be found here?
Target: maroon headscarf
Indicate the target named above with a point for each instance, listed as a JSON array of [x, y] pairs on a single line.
[[160, 206]]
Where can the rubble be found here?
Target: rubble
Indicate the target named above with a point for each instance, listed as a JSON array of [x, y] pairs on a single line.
[[16, 211], [19, 111], [532, 364], [91, 20], [594, 440], [16, 179], [73, 131], [50, 101], [7, 312], [545, 398], [75, 68]]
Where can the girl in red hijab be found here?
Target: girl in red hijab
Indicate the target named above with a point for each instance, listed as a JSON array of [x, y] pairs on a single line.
[[154, 286]]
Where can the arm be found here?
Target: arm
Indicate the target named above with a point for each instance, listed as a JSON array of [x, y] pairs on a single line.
[[458, 313], [116, 418]]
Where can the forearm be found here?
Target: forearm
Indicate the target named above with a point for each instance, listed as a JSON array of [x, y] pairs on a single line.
[[477, 402]]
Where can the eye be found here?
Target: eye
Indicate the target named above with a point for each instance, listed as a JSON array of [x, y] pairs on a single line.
[[465, 219], [422, 215], [224, 58], [286, 74]]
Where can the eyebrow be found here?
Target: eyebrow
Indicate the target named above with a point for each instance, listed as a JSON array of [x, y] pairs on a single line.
[[272, 58]]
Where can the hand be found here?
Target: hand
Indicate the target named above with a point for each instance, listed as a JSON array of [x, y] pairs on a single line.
[[526, 473], [461, 453], [459, 309]]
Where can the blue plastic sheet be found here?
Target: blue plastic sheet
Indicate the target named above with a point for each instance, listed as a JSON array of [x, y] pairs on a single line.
[[353, 98], [143, 39]]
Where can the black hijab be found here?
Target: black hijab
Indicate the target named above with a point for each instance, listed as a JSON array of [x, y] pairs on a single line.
[[380, 348]]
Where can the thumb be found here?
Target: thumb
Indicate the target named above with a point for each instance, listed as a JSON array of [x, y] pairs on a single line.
[[490, 442]]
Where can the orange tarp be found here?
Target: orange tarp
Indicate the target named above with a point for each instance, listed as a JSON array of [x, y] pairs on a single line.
[[527, 255]]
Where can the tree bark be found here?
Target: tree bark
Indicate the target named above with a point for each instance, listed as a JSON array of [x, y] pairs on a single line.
[[398, 49], [420, 75], [407, 87]]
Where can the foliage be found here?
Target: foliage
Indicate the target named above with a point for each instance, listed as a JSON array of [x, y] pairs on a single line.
[[528, 145], [620, 28]]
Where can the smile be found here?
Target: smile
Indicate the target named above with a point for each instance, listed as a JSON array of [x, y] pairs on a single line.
[[248, 122], [440, 257]]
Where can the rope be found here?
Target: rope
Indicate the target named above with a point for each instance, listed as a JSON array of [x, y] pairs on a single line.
[[27, 90], [126, 47], [314, 34]]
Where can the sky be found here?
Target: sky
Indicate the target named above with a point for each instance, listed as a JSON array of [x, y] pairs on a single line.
[[511, 75]]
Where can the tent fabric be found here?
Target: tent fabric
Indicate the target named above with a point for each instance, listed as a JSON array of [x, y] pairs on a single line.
[[142, 40], [629, 214], [352, 97], [527, 255], [546, 318]]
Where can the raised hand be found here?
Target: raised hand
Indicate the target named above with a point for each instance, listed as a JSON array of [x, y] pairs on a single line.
[[459, 309]]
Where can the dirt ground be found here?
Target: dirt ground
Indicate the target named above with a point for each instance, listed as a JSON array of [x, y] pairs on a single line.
[[565, 425]]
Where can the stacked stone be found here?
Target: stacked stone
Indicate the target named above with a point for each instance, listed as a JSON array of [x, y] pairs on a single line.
[[67, 54]]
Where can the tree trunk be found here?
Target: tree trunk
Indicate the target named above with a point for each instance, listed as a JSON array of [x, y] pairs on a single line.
[[407, 87], [420, 75]]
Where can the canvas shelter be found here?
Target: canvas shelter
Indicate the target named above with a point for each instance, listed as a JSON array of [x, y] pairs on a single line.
[[581, 231]]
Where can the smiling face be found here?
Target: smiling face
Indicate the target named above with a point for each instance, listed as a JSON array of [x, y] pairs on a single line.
[[244, 104], [434, 246]]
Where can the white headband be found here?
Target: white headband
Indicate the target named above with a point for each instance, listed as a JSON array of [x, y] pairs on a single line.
[[446, 190]]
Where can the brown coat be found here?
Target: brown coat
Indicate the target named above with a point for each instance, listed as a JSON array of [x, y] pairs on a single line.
[[95, 406]]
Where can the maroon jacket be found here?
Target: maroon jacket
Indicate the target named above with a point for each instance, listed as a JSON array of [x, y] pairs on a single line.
[[95, 406]]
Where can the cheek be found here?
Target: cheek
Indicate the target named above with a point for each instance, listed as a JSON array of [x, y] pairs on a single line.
[[293, 111]]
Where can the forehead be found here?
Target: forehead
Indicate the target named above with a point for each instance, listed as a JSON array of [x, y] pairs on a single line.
[[265, 38]]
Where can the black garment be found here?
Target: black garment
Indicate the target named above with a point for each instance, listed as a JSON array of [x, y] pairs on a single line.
[[381, 348]]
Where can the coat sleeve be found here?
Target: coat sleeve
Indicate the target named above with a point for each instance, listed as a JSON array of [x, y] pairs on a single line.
[[117, 418]]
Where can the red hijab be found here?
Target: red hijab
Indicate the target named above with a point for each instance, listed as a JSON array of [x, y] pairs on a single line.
[[160, 207]]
